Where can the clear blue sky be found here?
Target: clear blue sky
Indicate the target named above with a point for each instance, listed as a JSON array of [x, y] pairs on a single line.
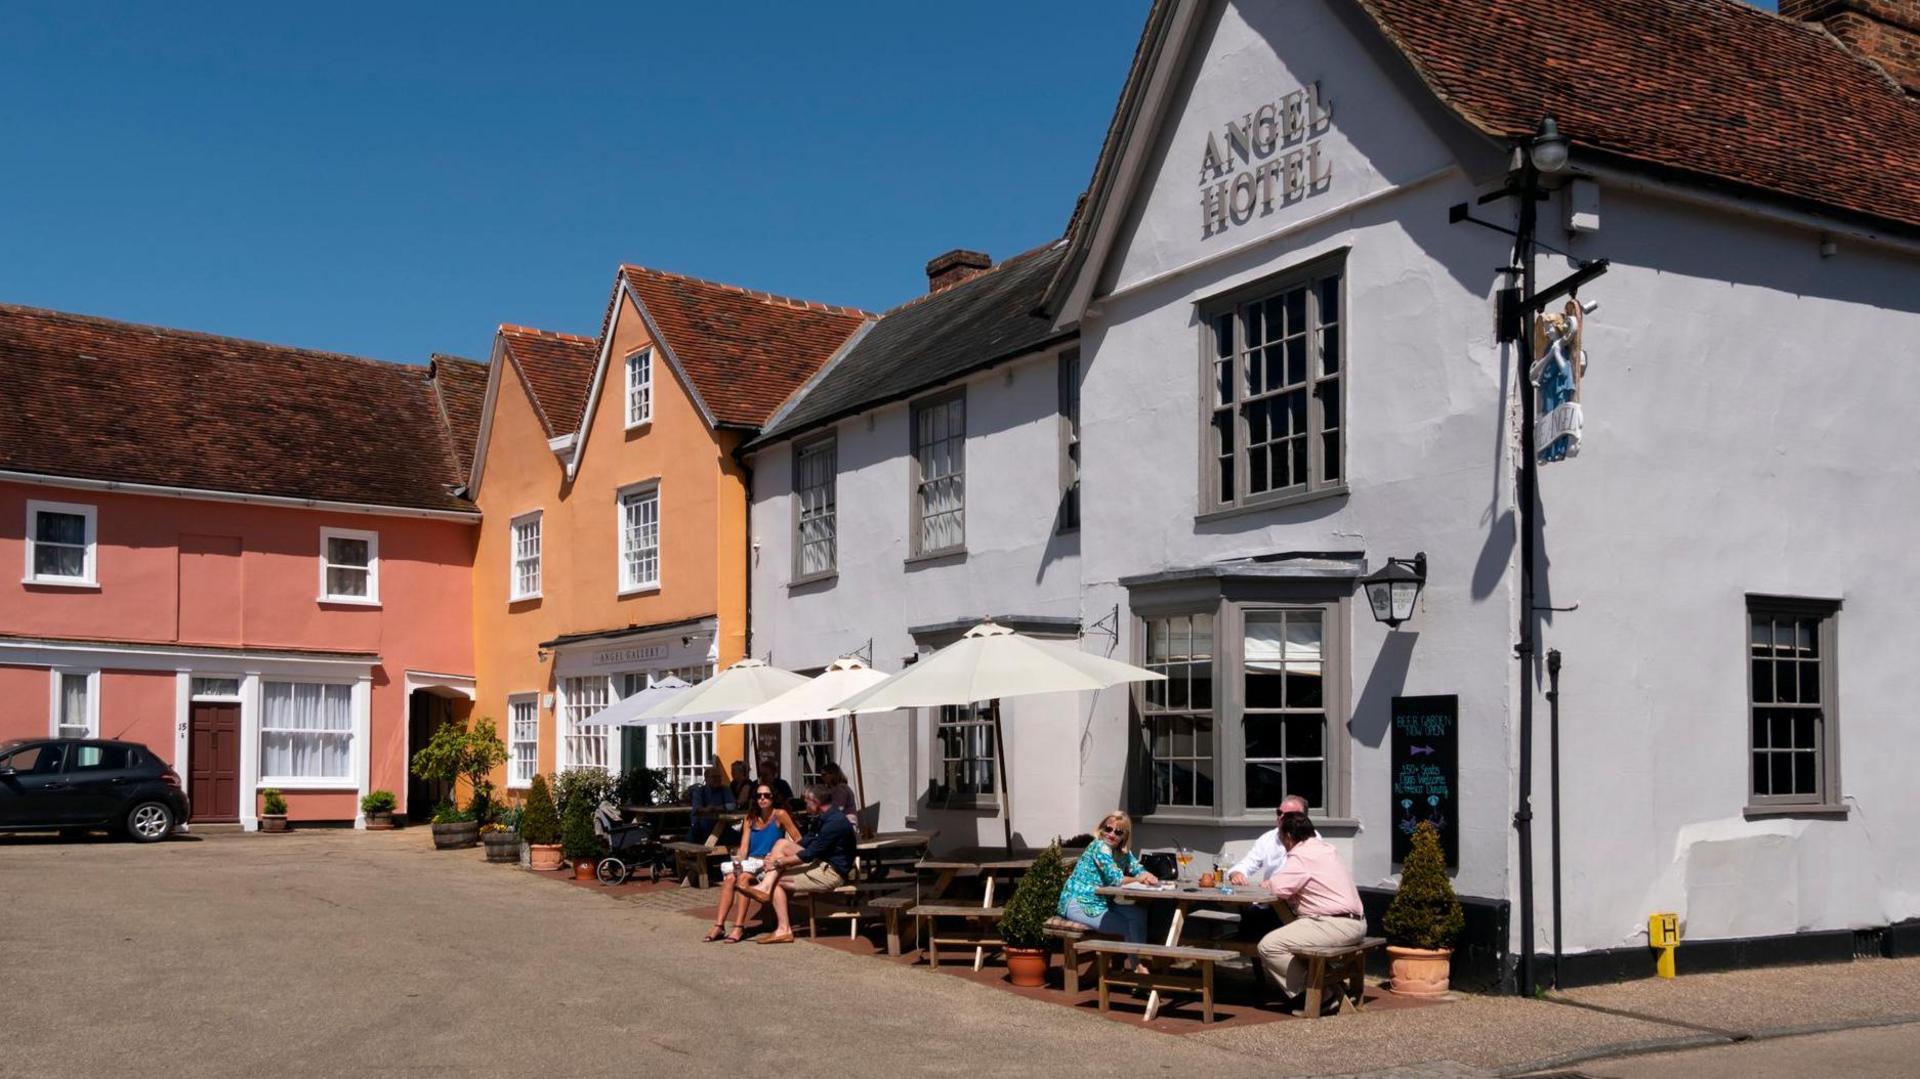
[[391, 181]]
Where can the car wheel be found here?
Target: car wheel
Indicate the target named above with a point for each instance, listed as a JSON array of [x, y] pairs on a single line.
[[149, 822]]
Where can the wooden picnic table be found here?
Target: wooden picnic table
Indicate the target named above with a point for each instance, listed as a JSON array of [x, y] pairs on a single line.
[[721, 818], [1185, 897], [992, 863]]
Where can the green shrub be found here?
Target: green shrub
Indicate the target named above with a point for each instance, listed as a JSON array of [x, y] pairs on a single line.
[[539, 823], [377, 802], [1023, 924], [1424, 913], [641, 787], [577, 840], [448, 813], [508, 816], [457, 752], [589, 785], [272, 804]]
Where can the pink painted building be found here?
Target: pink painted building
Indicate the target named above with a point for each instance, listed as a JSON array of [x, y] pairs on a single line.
[[254, 559]]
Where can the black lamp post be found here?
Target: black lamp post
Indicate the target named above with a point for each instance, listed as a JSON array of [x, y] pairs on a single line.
[[1393, 588]]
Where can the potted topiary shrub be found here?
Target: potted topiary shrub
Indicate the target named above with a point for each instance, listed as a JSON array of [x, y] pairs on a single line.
[[577, 839], [377, 806], [1023, 924], [501, 835], [540, 827], [1423, 920], [273, 811]]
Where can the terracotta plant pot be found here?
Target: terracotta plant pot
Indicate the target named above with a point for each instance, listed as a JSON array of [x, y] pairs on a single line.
[[380, 821], [1027, 967], [583, 869], [502, 847], [1419, 972], [463, 833], [273, 822], [543, 856]]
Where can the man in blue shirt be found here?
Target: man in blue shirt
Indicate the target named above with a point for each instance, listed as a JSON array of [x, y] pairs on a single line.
[[823, 864]]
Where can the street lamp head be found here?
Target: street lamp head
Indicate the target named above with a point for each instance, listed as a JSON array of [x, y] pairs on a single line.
[[1393, 588], [1548, 147]]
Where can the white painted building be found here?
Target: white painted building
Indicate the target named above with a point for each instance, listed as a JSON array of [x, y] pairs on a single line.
[[1270, 219]]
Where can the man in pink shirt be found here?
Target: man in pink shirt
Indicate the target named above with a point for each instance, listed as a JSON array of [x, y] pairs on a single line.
[[1326, 905]]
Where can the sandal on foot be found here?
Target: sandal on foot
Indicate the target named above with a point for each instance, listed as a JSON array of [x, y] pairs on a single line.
[[734, 937], [716, 933]]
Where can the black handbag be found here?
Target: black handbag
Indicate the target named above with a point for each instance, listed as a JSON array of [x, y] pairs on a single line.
[[1162, 865]]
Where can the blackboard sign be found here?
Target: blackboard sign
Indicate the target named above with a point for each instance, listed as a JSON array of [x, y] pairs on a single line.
[[1426, 772]]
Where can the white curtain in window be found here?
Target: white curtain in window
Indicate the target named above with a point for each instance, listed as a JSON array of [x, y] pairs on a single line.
[[1277, 637], [306, 730], [73, 706]]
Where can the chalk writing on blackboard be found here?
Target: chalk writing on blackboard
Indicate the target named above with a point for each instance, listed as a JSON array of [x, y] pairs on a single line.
[[1425, 770]]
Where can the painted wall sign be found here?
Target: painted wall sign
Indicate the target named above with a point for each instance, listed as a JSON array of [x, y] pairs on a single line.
[[1270, 156], [615, 657], [1426, 771]]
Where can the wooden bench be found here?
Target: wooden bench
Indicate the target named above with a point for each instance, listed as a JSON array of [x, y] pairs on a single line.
[[690, 860], [889, 908], [851, 894], [1070, 934], [1347, 964], [926, 920], [1158, 958]]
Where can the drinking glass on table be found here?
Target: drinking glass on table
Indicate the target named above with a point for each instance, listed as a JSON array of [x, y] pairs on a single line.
[[1183, 858]]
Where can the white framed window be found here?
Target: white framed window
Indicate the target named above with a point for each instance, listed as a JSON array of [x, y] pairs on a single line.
[[815, 537], [74, 710], [306, 732], [640, 387], [581, 699], [524, 582], [61, 544], [523, 739], [640, 538], [349, 566]]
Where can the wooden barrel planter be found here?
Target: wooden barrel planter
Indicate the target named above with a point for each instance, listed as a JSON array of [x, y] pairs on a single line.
[[464, 833], [502, 847]]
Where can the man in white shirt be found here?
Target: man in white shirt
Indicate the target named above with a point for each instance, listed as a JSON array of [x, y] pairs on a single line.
[[1265, 859]]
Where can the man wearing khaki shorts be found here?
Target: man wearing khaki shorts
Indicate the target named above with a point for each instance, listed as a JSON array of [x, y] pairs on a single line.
[[1325, 903], [822, 865]]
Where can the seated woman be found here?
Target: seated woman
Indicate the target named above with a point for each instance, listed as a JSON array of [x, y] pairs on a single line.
[[1106, 864], [766, 825], [708, 800], [843, 800]]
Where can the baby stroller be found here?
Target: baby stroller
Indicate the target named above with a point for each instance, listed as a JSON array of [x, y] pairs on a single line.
[[631, 848]]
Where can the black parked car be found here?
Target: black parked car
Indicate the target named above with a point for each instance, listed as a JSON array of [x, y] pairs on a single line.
[[77, 784]]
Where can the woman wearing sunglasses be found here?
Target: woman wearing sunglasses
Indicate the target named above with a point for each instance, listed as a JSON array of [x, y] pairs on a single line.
[[1106, 864], [767, 823]]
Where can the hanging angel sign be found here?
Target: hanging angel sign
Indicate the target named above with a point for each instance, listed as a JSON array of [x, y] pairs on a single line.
[[1559, 366]]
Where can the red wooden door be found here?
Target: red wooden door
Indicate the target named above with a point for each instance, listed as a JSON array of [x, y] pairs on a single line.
[[214, 761]]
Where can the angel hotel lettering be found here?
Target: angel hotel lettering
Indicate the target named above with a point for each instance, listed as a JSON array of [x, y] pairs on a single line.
[[1268, 156]]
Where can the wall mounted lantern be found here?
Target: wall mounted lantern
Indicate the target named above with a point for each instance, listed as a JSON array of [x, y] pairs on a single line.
[[1393, 588]]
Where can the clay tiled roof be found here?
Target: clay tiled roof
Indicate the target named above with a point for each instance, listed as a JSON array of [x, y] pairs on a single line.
[[557, 370], [1711, 88], [461, 388], [932, 339], [95, 399], [745, 351]]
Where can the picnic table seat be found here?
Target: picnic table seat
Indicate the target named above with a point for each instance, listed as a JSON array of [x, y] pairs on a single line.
[[927, 917], [850, 896], [1158, 957], [1070, 933], [1347, 964], [889, 907], [690, 860]]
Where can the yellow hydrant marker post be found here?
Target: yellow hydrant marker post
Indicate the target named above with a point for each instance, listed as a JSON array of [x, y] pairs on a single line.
[[1663, 932]]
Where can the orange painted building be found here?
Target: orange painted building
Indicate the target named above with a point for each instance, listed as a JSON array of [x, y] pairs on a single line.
[[614, 542]]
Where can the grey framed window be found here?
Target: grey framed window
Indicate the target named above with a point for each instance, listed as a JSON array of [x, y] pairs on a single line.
[[816, 538], [1273, 357], [813, 741], [940, 469], [1255, 703], [1792, 703], [963, 737], [1069, 516]]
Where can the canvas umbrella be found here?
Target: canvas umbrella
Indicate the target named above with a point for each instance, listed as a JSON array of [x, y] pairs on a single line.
[[990, 662], [625, 712], [815, 699], [743, 684]]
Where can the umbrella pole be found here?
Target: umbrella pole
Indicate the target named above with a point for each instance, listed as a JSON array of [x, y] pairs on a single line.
[[1000, 763], [859, 773]]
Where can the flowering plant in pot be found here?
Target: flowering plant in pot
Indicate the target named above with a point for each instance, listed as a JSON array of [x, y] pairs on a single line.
[[273, 811], [377, 806], [501, 835], [579, 843], [1423, 920], [1023, 924], [540, 827]]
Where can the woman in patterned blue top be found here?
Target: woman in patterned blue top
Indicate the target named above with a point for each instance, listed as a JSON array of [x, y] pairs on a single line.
[[1107, 863]]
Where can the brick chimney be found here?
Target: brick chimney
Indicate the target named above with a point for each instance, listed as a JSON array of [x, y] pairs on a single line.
[[1884, 31], [960, 264]]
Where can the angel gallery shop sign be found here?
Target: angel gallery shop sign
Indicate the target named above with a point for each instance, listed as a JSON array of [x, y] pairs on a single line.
[[1268, 157]]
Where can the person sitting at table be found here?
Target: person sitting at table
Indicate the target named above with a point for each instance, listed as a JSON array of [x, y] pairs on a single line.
[[1263, 860], [766, 825], [823, 864], [708, 800], [1108, 863], [770, 775], [741, 785], [1326, 906], [843, 800]]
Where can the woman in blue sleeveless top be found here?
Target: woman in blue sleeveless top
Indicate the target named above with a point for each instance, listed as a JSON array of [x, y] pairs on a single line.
[[766, 824]]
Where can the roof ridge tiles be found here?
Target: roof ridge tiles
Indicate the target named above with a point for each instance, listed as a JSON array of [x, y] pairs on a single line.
[[758, 294], [201, 335], [516, 328]]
